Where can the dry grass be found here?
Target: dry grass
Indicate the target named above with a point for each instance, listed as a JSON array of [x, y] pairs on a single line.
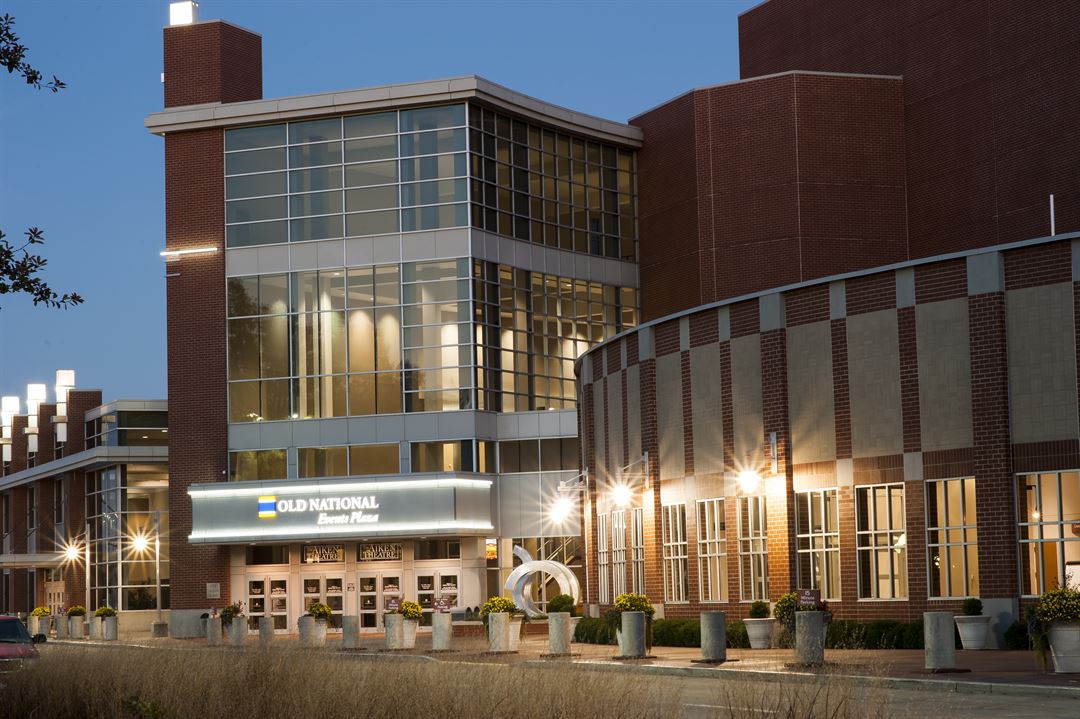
[[831, 697], [264, 684]]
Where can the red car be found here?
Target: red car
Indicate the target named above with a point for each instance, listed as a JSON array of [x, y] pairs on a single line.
[[16, 644]]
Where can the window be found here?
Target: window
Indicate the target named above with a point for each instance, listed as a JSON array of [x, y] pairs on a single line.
[[257, 465], [1048, 506], [753, 550], [951, 538], [268, 554], [437, 549], [818, 538], [881, 542], [322, 462], [374, 459], [603, 586], [618, 552], [442, 456], [673, 531], [637, 550], [59, 497], [712, 551]]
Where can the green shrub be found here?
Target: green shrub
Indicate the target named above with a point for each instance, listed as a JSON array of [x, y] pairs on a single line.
[[230, 611], [591, 630], [676, 633], [76, 610], [972, 607], [105, 611], [784, 610], [845, 634], [1016, 636], [736, 635], [562, 603], [759, 610], [321, 611]]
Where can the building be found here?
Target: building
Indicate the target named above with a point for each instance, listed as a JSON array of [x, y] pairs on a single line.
[[858, 370], [73, 469], [375, 301]]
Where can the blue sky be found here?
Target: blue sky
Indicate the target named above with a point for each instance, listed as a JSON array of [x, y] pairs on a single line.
[[80, 165]]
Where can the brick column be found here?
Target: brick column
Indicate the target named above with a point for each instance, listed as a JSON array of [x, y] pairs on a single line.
[[780, 504]]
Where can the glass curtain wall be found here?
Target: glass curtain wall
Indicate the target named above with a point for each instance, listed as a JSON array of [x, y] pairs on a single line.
[[125, 503], [538, 185], [346, 176]]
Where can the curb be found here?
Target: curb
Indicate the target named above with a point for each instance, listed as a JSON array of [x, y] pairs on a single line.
[[958, 687]]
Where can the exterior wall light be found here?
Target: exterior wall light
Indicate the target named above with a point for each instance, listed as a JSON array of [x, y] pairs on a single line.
[[140, 543], [749, 481], [621, 495], [183, 13], [172, 254], [560, 510], [72, 552]]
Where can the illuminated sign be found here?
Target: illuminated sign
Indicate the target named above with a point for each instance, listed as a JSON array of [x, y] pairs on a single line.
[[316, 553], [336, 509], [380, 552]]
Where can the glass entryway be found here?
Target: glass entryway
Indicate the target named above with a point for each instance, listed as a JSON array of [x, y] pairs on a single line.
[[434, 585], [375, 591], [328, 589], [268, 597]]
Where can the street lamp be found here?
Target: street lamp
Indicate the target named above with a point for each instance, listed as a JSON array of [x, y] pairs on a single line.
[[71, 552]]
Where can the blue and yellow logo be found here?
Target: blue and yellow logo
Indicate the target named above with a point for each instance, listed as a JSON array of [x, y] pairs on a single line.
[[267, 507]]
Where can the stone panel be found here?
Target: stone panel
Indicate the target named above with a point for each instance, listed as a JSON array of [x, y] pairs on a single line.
[[810, 393], [706, 391], [669, 416], [941, 329], [874, 382], [615, 421], [749, 431], [1042, 363], [633, 410]]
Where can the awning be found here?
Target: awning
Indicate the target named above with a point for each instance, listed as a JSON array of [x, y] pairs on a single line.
[[51, 560]]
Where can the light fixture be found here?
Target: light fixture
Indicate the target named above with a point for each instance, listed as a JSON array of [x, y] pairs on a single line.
[[749, 481], [169, 254], [560, 510], [140, 543], [901, 543], [183, 13], [621, 494], [71, 552]]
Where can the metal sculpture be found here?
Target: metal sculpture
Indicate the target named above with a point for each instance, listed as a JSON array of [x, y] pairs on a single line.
[[519, 583]]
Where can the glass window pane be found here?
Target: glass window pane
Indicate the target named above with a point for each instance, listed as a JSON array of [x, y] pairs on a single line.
[[371, 173], [258, 233], [244, 349], [266, 208], [274, 294], [322, 461], [270, 183], [315, 130], [242, 295], [315, 228], [361, 394], [241, 163], [382, 123], [429, 118], [371, 223], [361, 341], [371, 198], [388, 392], [275, 396], [327, 153], [430, 193], [372, 148], [430, 143], [387, 288], [248, 138], [332, 289], [373, 459], [387, 339], [321, 178], [274, 341], [433, 167], [315, 203]]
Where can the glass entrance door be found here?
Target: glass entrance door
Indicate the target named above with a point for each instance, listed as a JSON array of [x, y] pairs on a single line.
[[435, 584], [327, 589], [268, 597], [376, 590]]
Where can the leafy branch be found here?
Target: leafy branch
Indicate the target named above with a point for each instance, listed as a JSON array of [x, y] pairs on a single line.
[[19, 269], [13, 54]]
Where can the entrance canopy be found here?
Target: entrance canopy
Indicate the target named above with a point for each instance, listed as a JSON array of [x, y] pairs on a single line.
[[346, 508], [50, 560]]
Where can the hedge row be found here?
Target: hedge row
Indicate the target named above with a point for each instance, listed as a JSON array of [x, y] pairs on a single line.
[[841, 634]]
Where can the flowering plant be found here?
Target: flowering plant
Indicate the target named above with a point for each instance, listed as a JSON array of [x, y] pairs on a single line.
[[40, 612], [319, 611], [1059, 605], [230, 611], [411, 610], [496, 605], [631, 602], [76, 610], [105, 611]]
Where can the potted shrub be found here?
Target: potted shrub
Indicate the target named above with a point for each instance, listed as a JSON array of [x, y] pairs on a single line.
[[630, 602], [503, 605], [1058, 625], [411, 614], [107, 616], [972, 624], [39, 620], [75, 614], [319, 612], [234, 624], [562, 603], [759, 626]]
